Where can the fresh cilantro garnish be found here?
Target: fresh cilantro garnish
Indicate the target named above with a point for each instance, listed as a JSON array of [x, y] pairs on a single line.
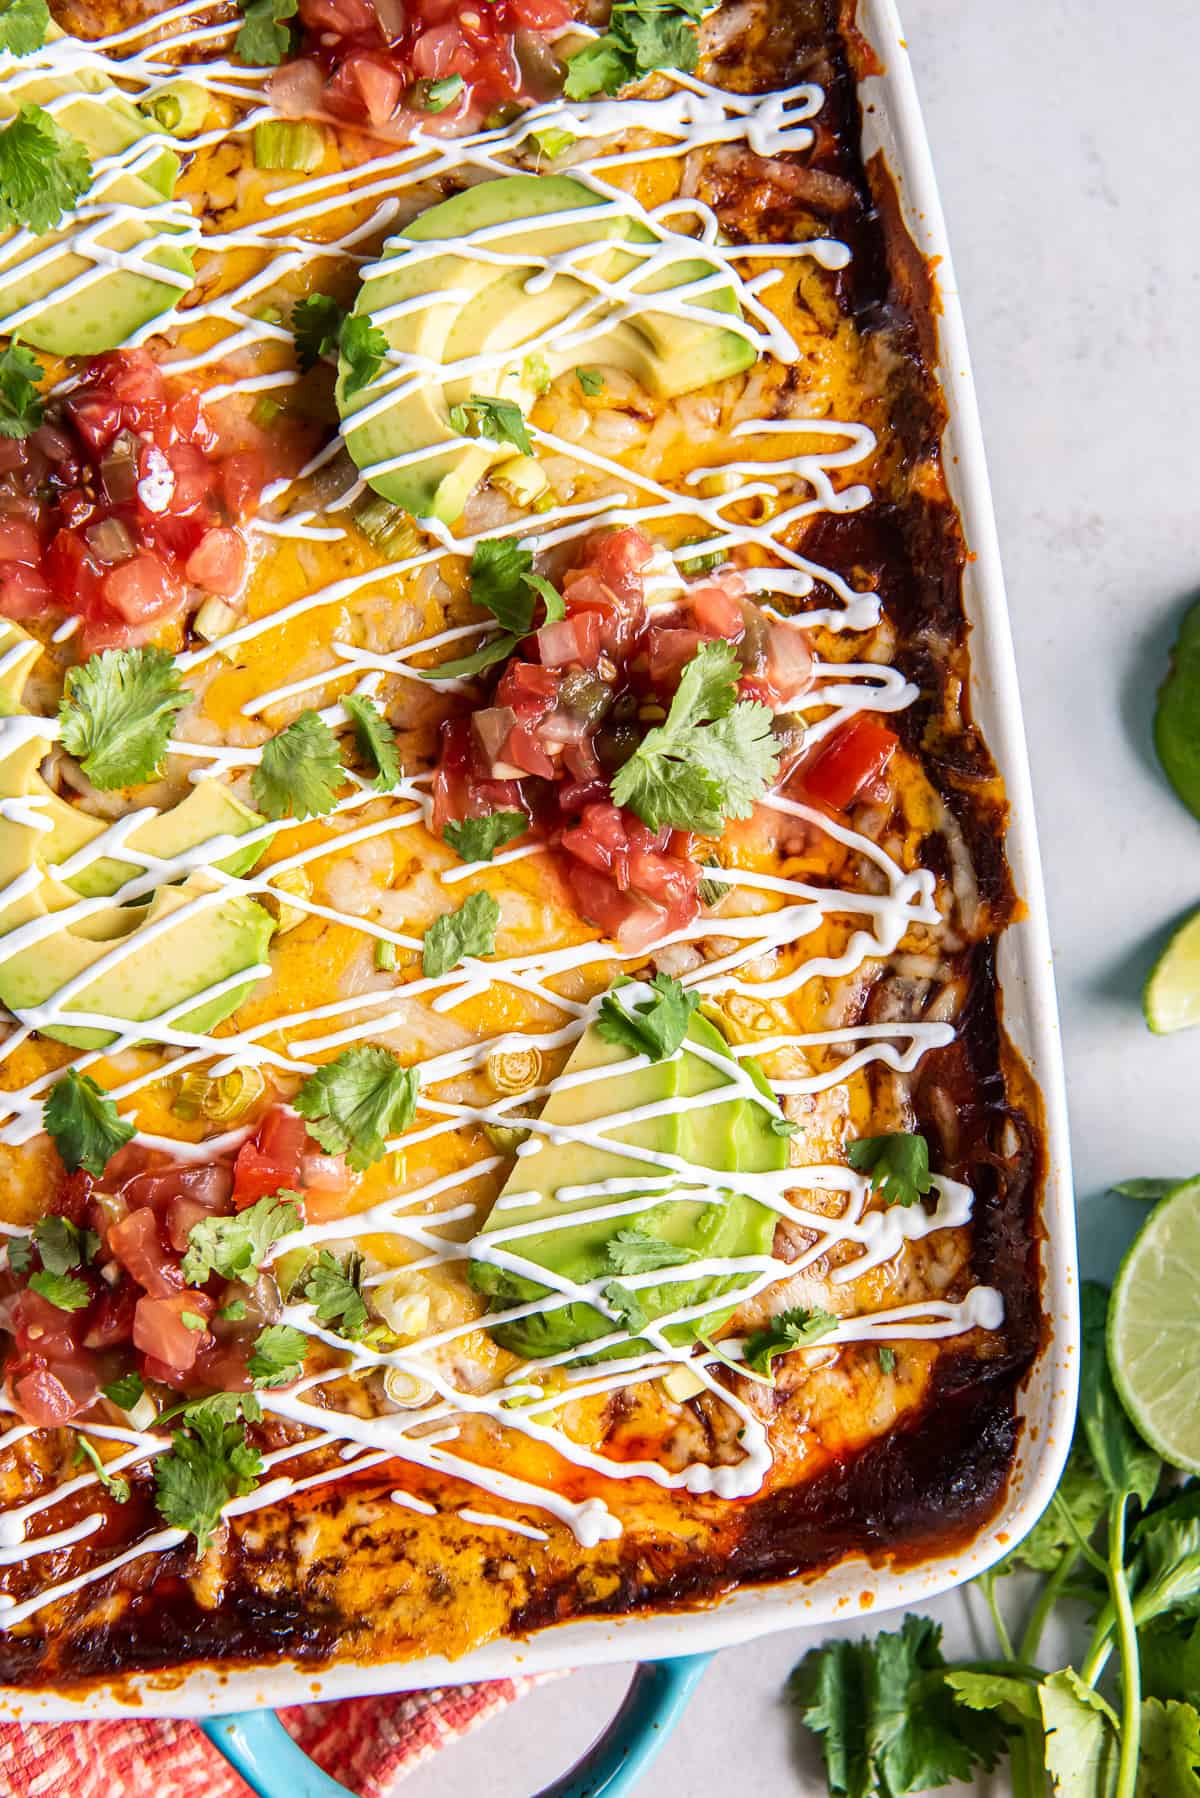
[[321, 328], [116, 1487], [62, 1245], [887, 1360], [116, 714], [654, 1028], [43, 171], [627, 1305], [549, 594], [83, 1121], [278, 1355], [21, 408], [502, 421], [334, 1290], [477, 839], [365, 348], [783, 1127], [235, 1247], [264, 40], [317, 324], [23, 26], [502, 581], [376, 740], [20, 1253], [642, 35], [712, 758], [496, 649], [67, 1291], [209, 1462], [300, 771], [125, 1391], [354, 1103], [635, 1252], [791, 1329], [436, 96], [590, 380], [233, 1312], [897, 1165], [471, 930]]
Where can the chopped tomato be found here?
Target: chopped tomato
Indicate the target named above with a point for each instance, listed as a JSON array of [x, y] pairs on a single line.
[[159, 1327], [270, 1161], [852, 757], [43, 1329], [110, 1320], [45, 1396], [218, 563], [138, 1246]]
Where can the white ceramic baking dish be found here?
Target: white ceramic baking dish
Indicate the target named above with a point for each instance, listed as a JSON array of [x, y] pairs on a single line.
[[893, 124]]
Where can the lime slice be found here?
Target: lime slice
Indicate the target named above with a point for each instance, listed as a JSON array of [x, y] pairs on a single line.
[[1171, 997], [1154, 1329]]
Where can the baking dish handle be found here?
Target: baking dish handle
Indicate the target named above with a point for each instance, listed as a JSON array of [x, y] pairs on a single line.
[[257, 1744]]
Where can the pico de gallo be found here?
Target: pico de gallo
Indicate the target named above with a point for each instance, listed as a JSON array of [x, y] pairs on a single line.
[[449, 66], [578, 697], [123, 507], [139, 1314]]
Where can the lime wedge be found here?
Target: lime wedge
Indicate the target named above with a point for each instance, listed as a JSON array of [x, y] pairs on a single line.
[[1154, 1329], [1171, 996]]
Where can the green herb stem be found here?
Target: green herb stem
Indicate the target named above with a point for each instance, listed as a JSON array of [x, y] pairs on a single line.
[[988, 1582], [1049, 1596], [1131, 1682]]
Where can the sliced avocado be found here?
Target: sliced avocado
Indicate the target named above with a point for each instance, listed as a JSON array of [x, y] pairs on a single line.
[[478, 308], [732, 1135], [171, 962], [210, 810], [105, 311]]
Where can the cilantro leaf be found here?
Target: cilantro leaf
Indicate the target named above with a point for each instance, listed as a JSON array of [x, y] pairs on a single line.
[[116, 714], [125, 1391], [335, 1292], [627, 1305], [436, 96], [477, 839], [43, 171], [236, 1246], [19, 1251], [264, 40], [1081, 1496], [62, 1245], [502, 421], [591, 381], [1081, 1736], [23, 26], [317, 328], [550, 596], [83, 1122], [1148, 1188], [471, 930], [888, 1724], [21, 409], [642, 35], [636, 1252], [278, 1355], [365, 347], [496, 649], [712, 758], [67, 1291], [353, 1103], [1122, 1459], [209, 1462], [116, 1487], [1170, 1760], [498, 568], [376, 740], [656, 1027], [791, 1329], [1171, 1661], [782, 1126], [897, 1165], [300, 770]]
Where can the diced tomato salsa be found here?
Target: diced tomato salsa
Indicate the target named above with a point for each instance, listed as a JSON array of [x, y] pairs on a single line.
[[123, 507], [140, 1315], [574, 703], [371, 61]]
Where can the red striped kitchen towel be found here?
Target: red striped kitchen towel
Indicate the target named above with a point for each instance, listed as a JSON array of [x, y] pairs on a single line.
[[367, 1743]]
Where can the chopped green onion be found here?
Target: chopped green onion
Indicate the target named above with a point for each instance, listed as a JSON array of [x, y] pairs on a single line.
[[553, 143], [388, 528], [288, 144], [701, 564], [180, 108], [522, 480], [385, 956]]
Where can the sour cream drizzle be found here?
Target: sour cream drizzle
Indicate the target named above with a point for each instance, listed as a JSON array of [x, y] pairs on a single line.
[[761, 957]]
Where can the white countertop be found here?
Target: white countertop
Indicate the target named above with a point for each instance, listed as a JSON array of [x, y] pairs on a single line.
[[1067, 137]]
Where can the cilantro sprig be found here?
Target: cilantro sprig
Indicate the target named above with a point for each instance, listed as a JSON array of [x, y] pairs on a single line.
[[23, 26], [355, 1102], [376, 740], [300, 771], [794, 1328], [235, 1247], [264, 40], [21, 407], [656, 1027], [322, 328], [477, 839], [211, 1460], [711, 760], [277, 1358], [82, 1121], [43, 171], [113, 1483], [502, 581], [62, 1245], [125, 1390], [897, 1165], [334, 1289], [471, 930], [642, 35], [499, 420], [635, 1251], [65, 1291], [116, 714]]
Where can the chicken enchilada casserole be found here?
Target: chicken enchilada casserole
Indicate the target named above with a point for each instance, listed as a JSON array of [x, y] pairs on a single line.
[[505, 1112]]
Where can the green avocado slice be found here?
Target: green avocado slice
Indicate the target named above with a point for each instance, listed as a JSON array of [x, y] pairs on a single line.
[[111, 308], [732, 1135], [455, 306]]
